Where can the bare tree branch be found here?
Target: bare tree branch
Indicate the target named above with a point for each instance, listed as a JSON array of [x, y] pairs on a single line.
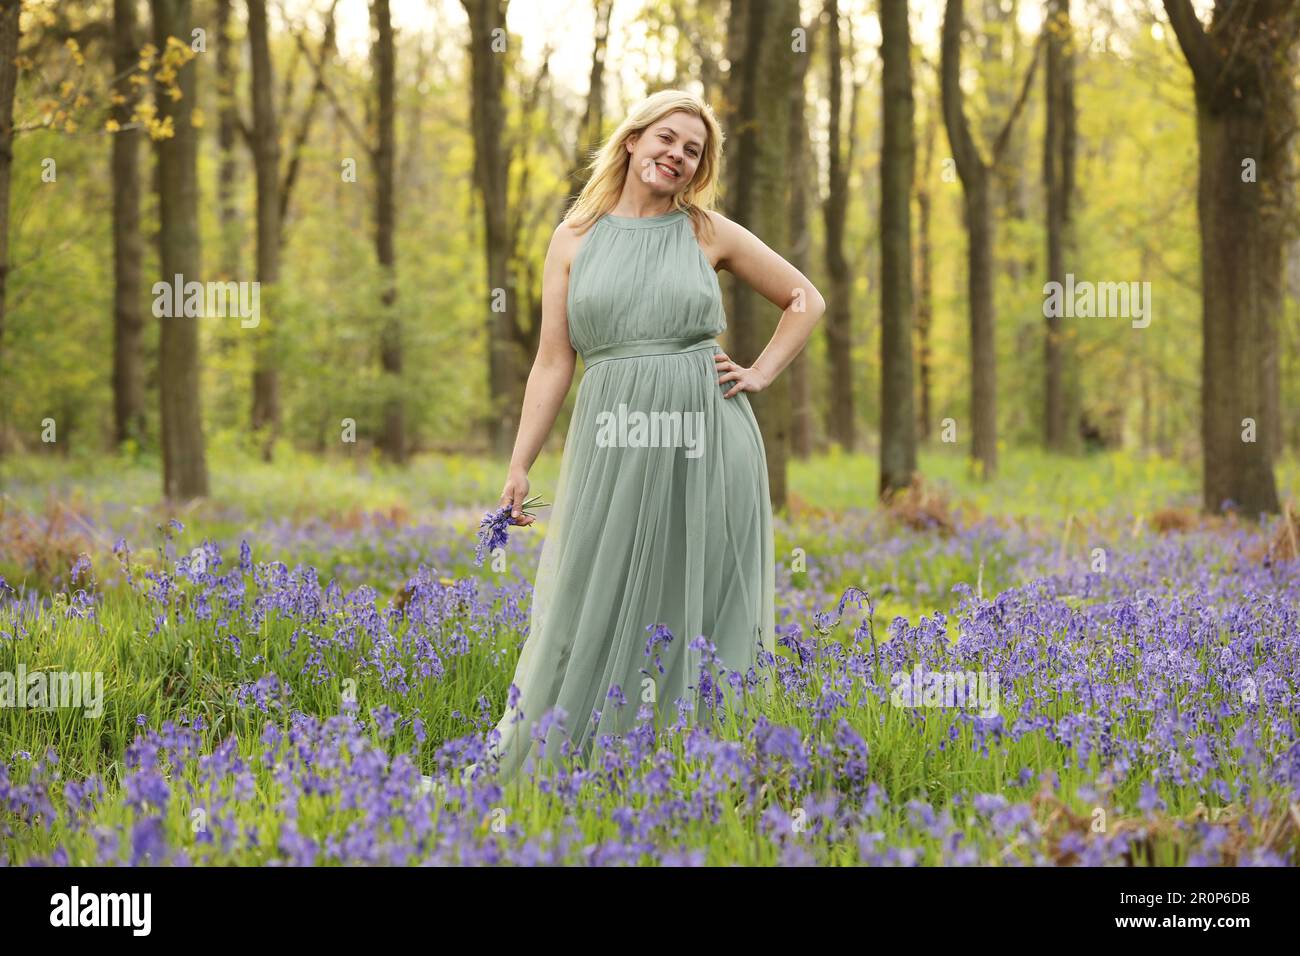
[[1000, 144], [307, 118], [1193, 39], [318, 68]]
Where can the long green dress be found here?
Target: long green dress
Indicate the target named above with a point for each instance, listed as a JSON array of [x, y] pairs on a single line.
[[659, 518]]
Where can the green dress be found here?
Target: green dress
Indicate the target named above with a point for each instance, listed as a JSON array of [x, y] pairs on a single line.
[[661, 514]]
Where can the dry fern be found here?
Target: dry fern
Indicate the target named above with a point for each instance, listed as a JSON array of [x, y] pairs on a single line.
[[921, 508]]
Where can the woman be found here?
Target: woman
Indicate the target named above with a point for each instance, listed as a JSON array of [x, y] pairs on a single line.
[[661, 530]]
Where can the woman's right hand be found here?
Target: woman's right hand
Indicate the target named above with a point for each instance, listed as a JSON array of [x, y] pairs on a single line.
[[515, 494]]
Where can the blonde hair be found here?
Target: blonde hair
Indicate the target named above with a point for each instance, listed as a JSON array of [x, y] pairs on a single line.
[[608, 168]]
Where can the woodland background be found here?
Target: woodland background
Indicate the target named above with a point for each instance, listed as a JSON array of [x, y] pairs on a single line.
[[382, 168]]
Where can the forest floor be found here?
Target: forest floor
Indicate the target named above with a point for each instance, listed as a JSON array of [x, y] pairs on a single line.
[[266, 675]]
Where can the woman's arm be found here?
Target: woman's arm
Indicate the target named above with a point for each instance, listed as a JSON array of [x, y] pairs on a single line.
[[749, 259], [552, 372]]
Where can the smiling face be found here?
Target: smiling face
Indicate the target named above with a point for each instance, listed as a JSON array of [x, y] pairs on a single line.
[[667, 153]]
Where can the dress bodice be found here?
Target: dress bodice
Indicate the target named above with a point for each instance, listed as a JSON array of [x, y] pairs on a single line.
[[641, 279]]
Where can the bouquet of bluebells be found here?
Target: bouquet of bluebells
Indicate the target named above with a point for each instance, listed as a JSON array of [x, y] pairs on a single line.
[[492, 529]]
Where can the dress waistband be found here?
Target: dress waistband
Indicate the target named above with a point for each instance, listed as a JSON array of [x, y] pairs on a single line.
[[642, 347]]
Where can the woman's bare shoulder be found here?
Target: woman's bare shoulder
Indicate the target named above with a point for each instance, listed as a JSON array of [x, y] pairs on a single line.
[[729, 229], [566, 239], [722, 238], [717, 218]]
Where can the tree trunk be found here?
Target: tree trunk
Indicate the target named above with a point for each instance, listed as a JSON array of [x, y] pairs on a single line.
[[128, 249], [412, 179], [1061, 432], [266, 164], [974, 177], [897, 411], [227, 130], [506, 374], [526, 216], [185, 471], [840, 424], [801, 408], [1243, 113], [979, 286], [744, 39], [696, 25], [593, 117], [1278, 220], [1236, 255], [1003, 46], [761, 75], [1288, 428], [9, 32], [925, 280], [393, 439]]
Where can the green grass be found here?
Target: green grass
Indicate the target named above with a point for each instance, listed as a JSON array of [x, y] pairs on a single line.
[[187, 668]]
